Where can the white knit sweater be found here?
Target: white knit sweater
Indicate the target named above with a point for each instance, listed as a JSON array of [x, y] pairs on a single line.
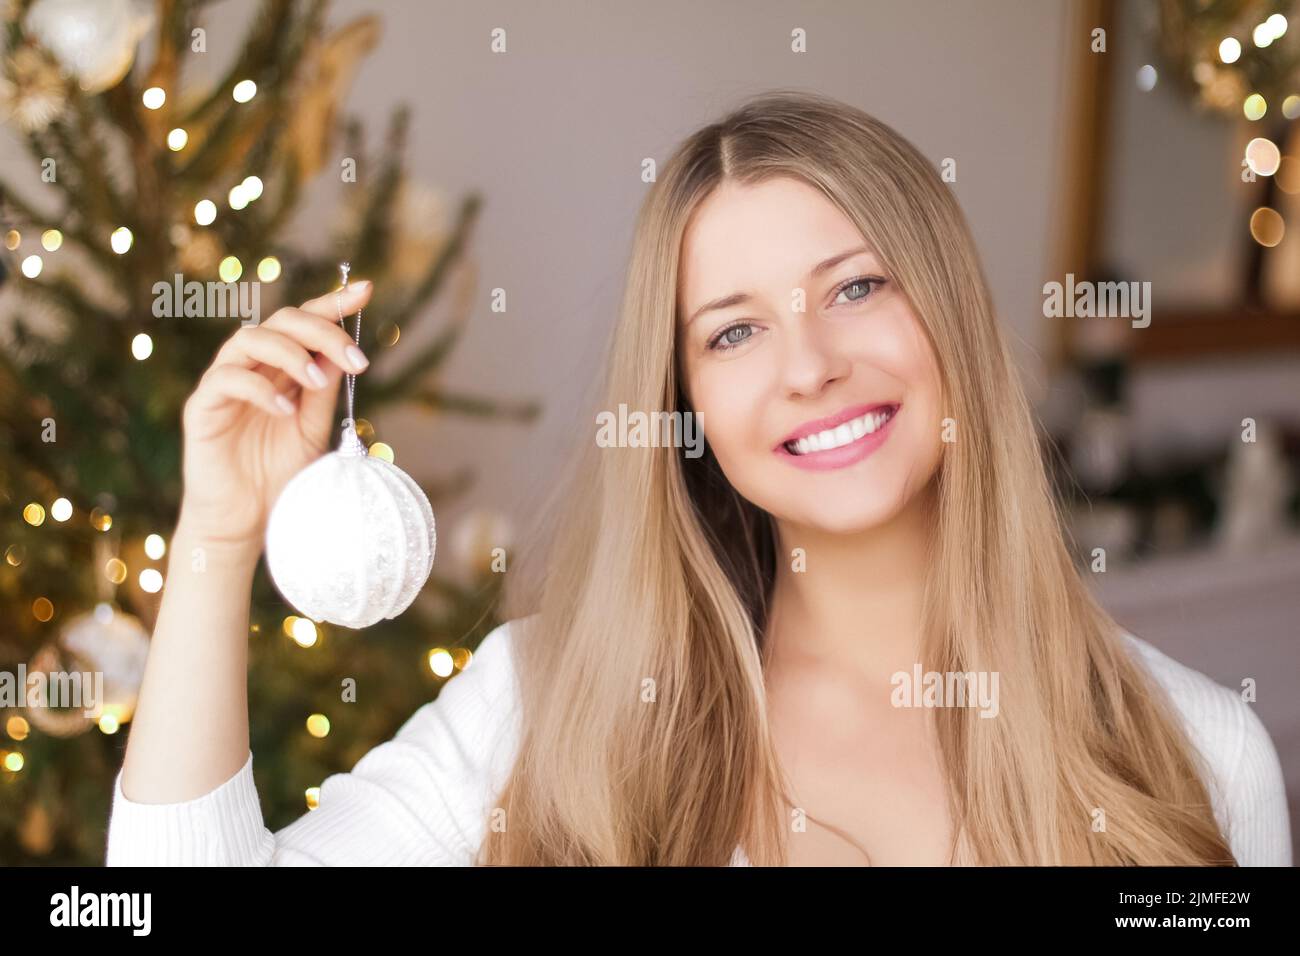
[[425, 797]]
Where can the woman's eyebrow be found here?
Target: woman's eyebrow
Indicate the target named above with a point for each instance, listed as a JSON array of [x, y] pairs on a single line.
[[739, 298], [833, 261]]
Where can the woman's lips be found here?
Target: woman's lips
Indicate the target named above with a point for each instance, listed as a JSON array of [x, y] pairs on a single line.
[[856, 433]]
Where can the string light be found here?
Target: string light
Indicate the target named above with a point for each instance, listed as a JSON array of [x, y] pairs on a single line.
[[230, 269], [121, 240], [244, 91], [1255, 107], [13, 761], [252, 188], [12, 239], [441, 663], [42, 609], [32, 266], [17, 728], [313, 797], [205, 210], [154, 98], [61, 509], [142, 346], [1230, 50], [304, 632], [1263, 156], [115, 570], [1267, 226], [382, 450], [318, 725], [51, 240], [151, 581], [237, 197], [100, 519], [154, 546], [177, 139], [268, 270], [34, 514]]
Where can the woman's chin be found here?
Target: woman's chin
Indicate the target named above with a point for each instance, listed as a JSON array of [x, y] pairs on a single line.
[[843, 516]]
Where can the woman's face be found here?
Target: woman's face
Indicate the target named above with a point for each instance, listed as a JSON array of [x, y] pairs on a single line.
[[815, 384]]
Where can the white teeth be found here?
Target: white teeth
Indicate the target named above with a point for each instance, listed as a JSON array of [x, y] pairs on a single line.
[[841, 435]]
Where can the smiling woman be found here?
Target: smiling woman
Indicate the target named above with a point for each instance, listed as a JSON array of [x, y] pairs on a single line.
[[705, 652], [870, 501]]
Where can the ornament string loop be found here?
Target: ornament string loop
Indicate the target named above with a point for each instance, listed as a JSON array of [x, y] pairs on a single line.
[[350, 443]]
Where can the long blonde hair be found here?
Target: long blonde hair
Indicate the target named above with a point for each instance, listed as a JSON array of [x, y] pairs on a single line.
[[645, 737]]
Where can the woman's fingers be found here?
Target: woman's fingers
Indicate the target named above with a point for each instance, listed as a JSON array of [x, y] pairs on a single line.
[[348, 300], [319, 335], [273, 349], [226, 382]]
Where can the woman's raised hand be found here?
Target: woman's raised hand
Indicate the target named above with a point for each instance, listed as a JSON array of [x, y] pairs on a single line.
[[262, 411]]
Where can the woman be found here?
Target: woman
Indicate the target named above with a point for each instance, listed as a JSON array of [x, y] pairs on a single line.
[[713, 658]]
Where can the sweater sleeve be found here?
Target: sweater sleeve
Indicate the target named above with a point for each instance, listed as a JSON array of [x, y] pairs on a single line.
[[1259, 826], [1244, 775], [422, 798]]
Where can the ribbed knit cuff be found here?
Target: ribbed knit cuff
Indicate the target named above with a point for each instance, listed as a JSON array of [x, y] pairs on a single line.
[[223, 827]]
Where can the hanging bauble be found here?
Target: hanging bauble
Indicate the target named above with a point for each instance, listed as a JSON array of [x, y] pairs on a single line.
[[32, 90], [94, 40], [55, 721], [106, 642], [351, 538], [115, 644]]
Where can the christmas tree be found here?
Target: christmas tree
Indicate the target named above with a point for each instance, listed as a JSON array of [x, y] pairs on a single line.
[[143, 180]]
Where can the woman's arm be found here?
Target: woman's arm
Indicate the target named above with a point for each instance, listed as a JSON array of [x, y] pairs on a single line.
[[262, 411], [423, 798], [190, 728]]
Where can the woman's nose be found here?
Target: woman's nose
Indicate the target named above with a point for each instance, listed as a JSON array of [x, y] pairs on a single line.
[[811, 359]]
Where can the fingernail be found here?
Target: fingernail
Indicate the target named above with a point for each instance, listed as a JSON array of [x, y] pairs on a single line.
[[315, 375], [364, 284], [282, 402], [356, 357]]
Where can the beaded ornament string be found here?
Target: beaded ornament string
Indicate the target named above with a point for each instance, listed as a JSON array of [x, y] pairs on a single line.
[[351, 442]]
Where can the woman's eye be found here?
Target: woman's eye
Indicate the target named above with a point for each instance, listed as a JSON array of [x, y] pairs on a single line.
[[865, 285], [732, 336]]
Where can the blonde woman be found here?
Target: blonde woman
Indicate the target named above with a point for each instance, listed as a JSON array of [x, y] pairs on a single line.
[[710, 659]]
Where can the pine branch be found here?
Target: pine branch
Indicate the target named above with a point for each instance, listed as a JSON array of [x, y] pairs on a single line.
[[260, 39], [67, 297]]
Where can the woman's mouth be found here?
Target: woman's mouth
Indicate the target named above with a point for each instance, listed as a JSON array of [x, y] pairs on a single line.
[[841, 440]]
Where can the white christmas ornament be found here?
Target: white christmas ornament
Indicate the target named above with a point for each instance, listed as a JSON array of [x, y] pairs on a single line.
[[94, 40], [114, 644], [351, 538], [106, 642]]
